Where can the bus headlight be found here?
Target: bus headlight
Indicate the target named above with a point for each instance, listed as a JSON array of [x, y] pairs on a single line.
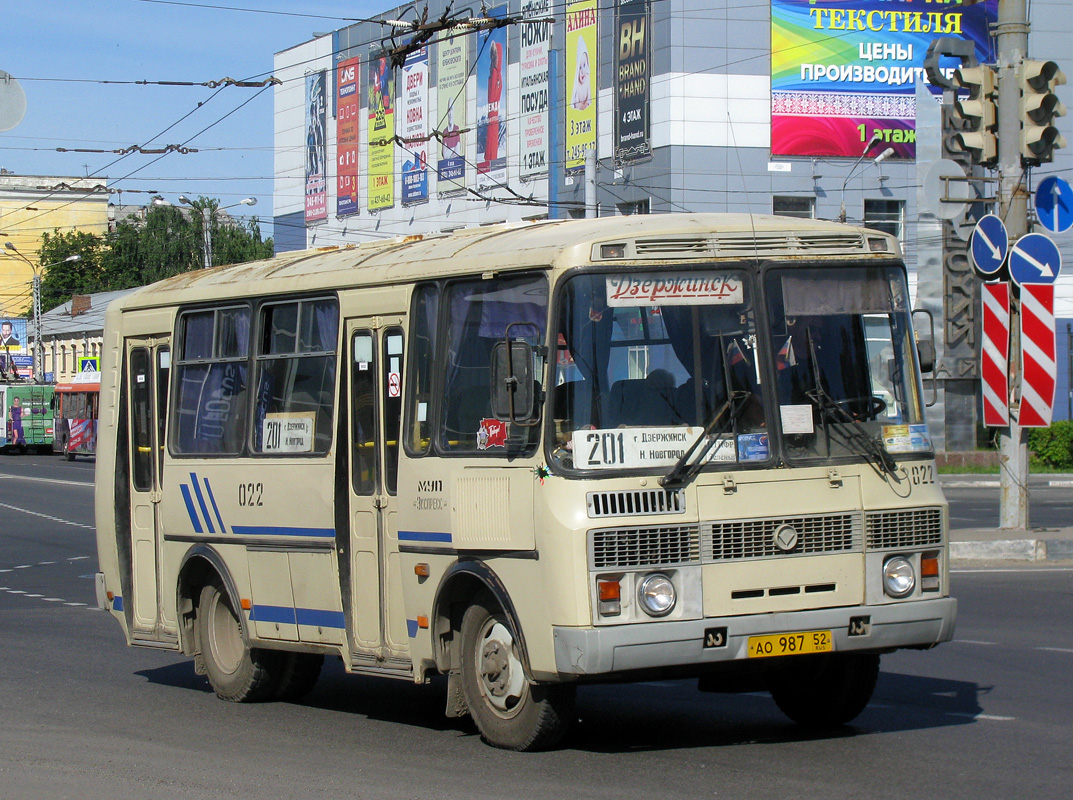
[[899, 578], [657, 595]]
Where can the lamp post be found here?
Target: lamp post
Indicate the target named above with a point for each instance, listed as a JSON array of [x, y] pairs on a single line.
[[206, 220], [37, 270]]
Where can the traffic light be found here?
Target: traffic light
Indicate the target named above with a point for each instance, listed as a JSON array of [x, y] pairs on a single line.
[[975, 118], [1039, 106]]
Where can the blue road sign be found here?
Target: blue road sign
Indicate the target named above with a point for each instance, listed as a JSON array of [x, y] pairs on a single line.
[[1034, 259], [988, 246], [1054, 204]]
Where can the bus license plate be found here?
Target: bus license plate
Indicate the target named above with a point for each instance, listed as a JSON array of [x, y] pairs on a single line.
[[789, 644]]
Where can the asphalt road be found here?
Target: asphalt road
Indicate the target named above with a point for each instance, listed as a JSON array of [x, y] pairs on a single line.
[[84, 716], [1050, 501]]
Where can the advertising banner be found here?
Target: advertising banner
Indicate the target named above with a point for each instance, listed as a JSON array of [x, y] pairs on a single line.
[[633, 65], [381, 90], [581, 61], [533, 68], [347, 123], [492, 104], [415, 128], [316, 148], [841, 71], [453, 104], [12, 336]]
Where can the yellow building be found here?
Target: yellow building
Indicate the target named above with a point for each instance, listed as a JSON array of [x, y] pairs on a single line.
[[31, 205]]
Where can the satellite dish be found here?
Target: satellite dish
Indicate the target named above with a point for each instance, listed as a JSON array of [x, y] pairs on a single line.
[[12, 102]]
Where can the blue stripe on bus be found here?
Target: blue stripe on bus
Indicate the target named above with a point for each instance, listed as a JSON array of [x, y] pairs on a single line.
[[117, 603], [190, 508], [201, 502], [281, 614], [278, 530], [212, 499], [320, 618], [424, 536], [411, 628], [285, 615]]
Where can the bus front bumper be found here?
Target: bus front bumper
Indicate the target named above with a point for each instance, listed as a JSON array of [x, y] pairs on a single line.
[[621, 648]]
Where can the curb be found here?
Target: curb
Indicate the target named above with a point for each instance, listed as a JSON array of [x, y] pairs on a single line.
[[1013, 550]]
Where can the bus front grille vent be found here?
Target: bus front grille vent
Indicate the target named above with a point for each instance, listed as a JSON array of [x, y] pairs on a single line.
[[914, 527], [639, 502], [735, 540], [644, 547], [681, 247]]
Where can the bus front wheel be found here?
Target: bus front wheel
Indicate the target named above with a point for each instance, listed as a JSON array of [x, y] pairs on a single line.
[[509, 711], [236, 672], [825, 691]]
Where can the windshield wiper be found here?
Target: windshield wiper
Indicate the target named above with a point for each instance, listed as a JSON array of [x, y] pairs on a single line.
[[686, 468], [852, 432]]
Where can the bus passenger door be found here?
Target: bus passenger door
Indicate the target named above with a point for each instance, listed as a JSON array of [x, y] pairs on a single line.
[[375, 350], [148, 362]]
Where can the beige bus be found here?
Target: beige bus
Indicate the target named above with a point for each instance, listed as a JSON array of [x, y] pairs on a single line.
[[526, 458]]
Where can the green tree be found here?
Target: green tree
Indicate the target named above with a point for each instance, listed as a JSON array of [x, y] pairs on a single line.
[[64, 278]]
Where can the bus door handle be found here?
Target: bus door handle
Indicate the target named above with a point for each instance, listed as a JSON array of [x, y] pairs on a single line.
[[379, 501], [155, 496]]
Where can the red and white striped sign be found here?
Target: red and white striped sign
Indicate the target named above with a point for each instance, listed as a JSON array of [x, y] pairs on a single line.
[[1038, 355], [995, 355]]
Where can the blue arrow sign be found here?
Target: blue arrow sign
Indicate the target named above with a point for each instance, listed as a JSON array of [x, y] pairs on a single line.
[[1035, 259], [988, 245], [1054, 204]]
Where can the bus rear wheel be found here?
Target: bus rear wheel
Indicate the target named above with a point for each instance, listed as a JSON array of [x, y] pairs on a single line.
[[237, 673], [509, 711], [825, 691], [67, 449]]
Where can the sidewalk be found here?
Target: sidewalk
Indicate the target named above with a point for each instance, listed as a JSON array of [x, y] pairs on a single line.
[[1003, 544]]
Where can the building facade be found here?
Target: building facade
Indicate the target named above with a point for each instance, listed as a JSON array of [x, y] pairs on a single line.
[[783, 106]]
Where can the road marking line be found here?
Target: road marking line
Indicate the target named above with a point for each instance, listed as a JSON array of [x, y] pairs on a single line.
[[1056, 649], [53, 599], [991, 717], [35, 595], [974, 641], [43, 563], [74, 604], [77, 558], [46, 516], [24, 566], [45, 480], [16, 591]]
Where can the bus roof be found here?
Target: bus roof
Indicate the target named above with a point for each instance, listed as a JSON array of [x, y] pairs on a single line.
[[648, 238]]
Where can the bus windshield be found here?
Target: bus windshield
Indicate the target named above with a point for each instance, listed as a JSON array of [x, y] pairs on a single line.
[[845, 373], [646, 361]]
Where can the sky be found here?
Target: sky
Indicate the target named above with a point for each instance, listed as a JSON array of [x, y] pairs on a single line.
[[63, 53]]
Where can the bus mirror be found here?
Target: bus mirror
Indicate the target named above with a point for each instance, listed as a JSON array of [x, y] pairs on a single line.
[[513, 395]]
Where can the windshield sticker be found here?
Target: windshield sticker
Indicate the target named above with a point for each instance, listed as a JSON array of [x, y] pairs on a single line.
[[906, 438], [287, 433], [796, 419], [492, 433], [753, 447], [668, 289]]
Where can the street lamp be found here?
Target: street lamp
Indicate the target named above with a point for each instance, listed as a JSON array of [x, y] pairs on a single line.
[[37, 270], [877, 137], [206, 235]]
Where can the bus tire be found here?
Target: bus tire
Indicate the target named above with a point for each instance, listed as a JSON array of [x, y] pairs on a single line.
[[509, 711], [237, 673], [67, 449], [825, 691], [298, 675]]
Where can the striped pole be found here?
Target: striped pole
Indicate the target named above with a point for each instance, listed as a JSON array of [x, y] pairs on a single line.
[[995, 353]]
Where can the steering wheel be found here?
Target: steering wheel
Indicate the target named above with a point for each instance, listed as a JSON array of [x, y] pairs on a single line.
[[863, 407]]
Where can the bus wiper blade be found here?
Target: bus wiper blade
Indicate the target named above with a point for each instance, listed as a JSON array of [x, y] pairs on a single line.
[[686, 468], [852, 432]]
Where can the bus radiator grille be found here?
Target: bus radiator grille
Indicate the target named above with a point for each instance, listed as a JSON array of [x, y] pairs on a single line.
[[643, 547], [734, 540], [913, 527]]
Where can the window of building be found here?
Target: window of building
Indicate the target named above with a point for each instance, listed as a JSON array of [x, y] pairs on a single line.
[[885, 215], [794, 206], [638, 207]]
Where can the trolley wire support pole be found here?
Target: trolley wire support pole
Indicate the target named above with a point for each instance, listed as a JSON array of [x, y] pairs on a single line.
[[1012, 44]]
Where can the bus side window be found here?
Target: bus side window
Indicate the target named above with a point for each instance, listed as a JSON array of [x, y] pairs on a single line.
[[424, 316], [295, 381], [392, 394]]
